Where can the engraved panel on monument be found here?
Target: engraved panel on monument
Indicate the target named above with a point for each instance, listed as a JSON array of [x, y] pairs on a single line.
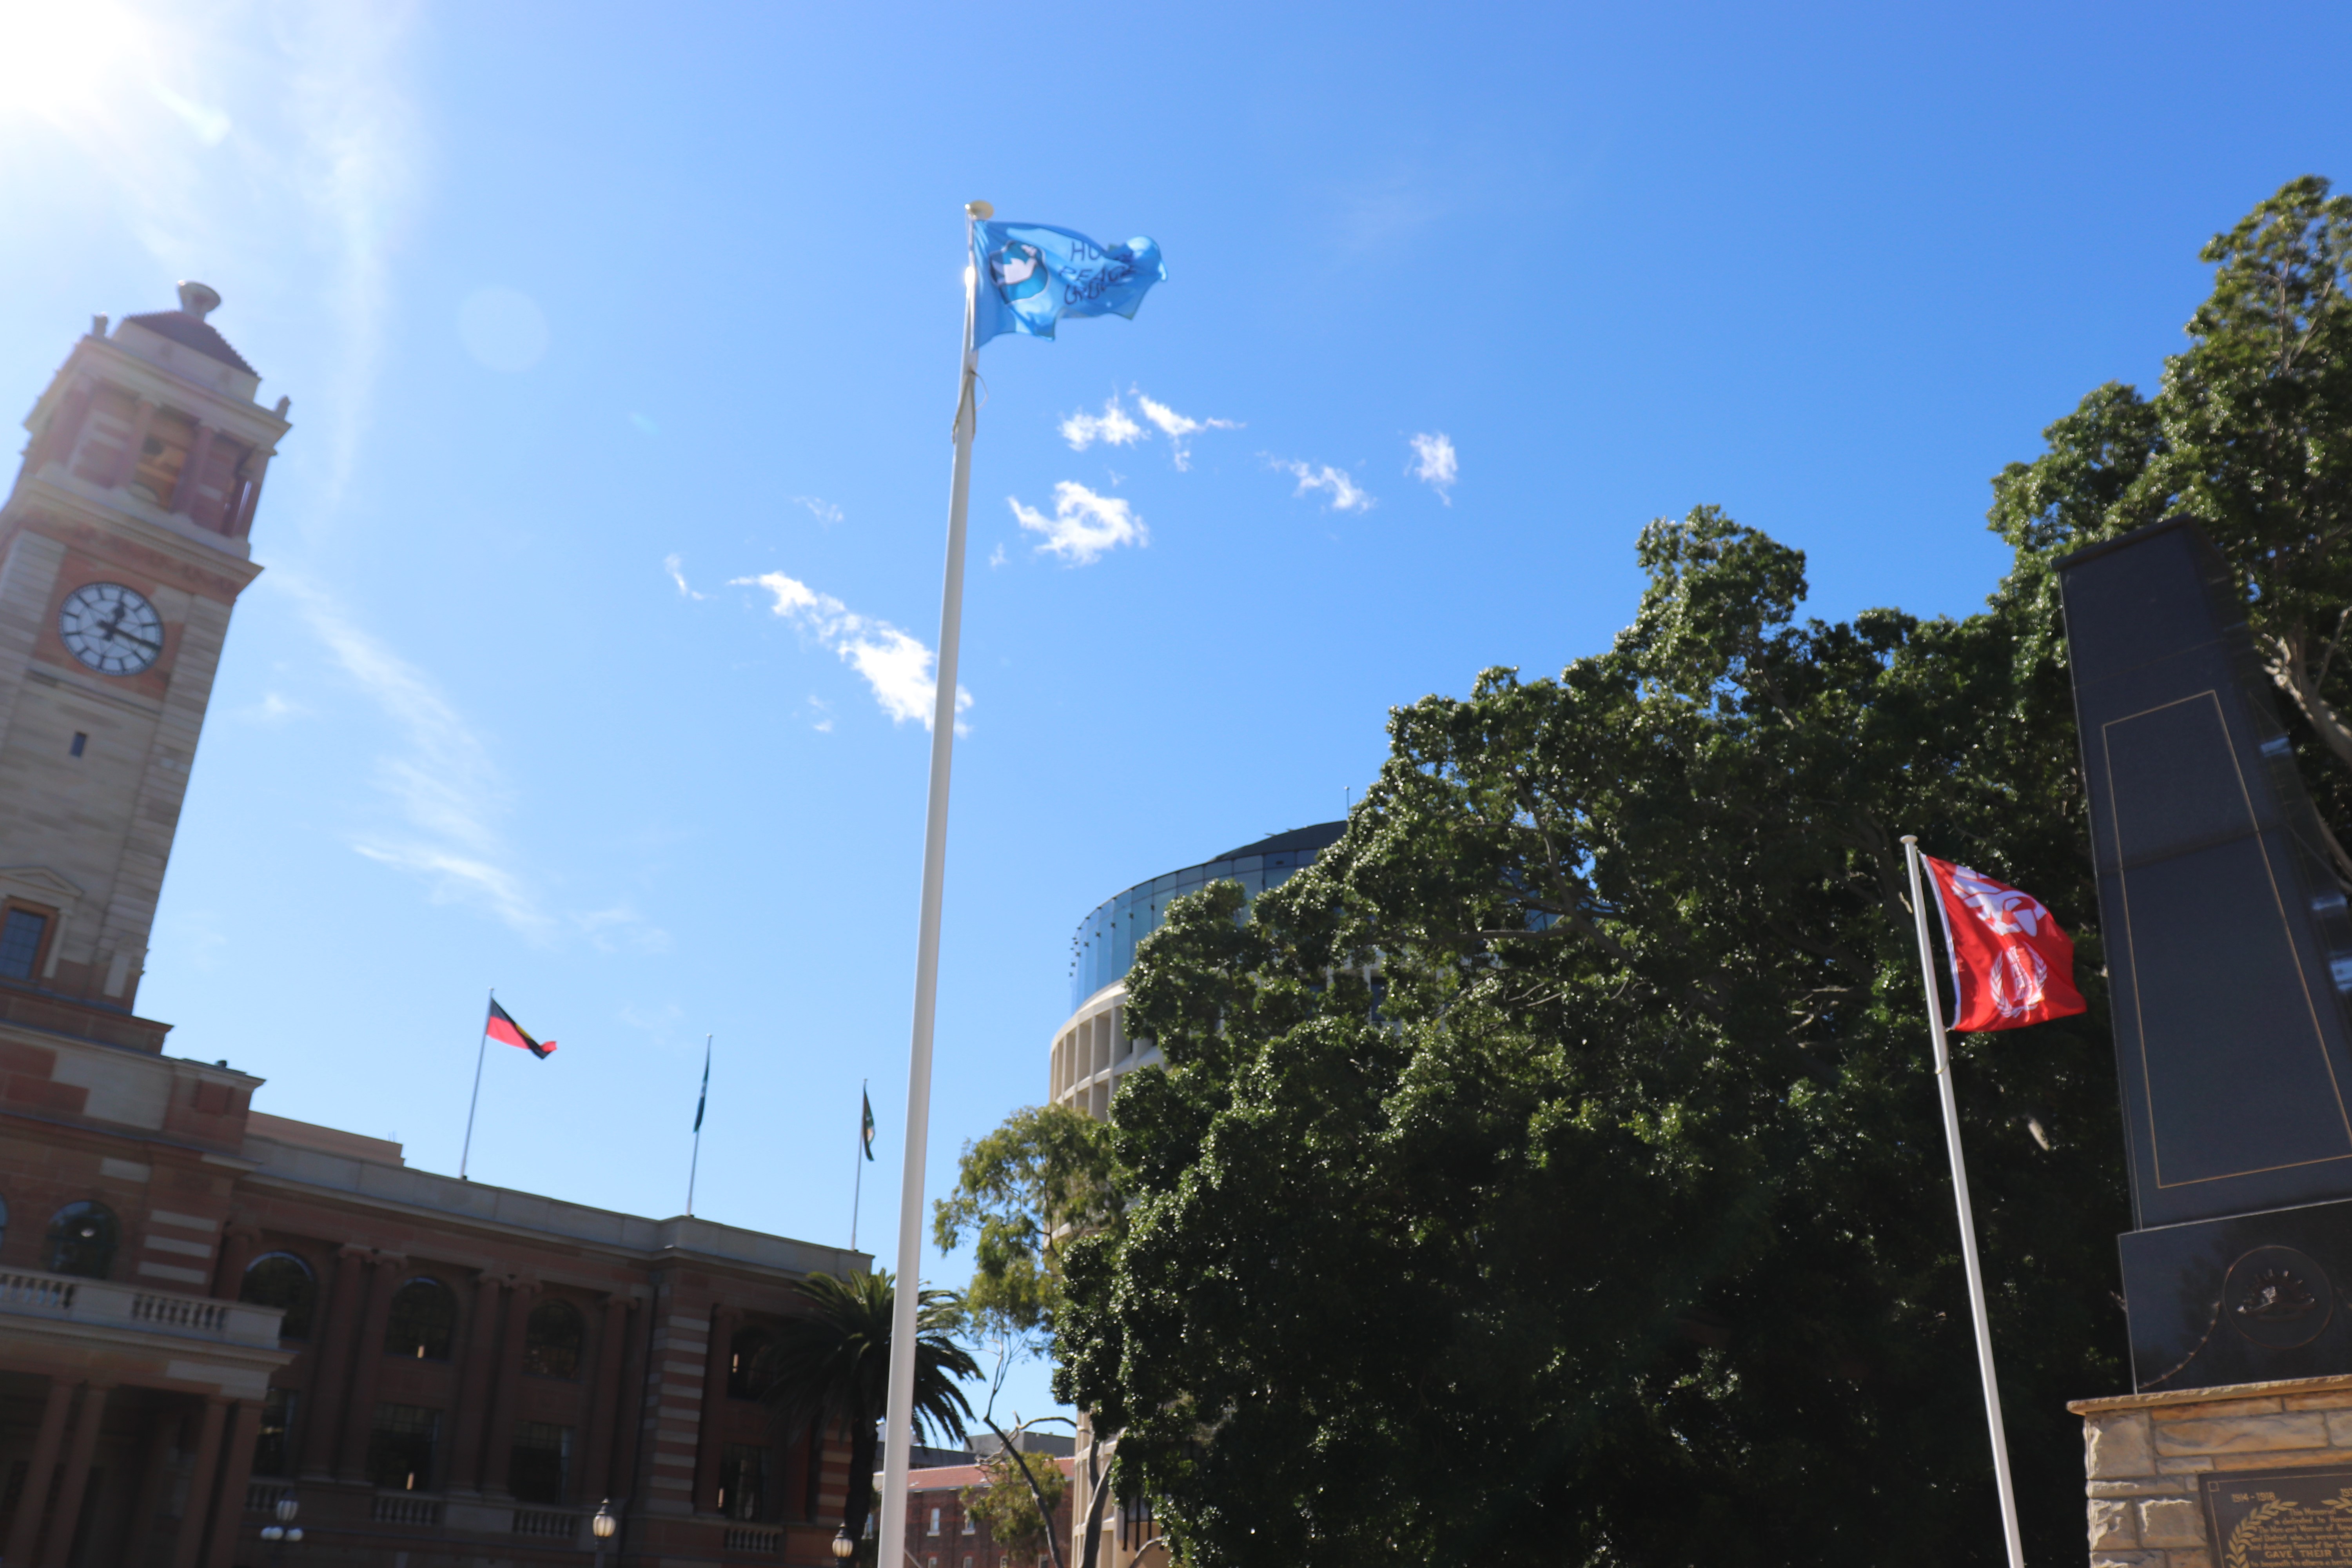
[[2280, 1519], [2186, 836]]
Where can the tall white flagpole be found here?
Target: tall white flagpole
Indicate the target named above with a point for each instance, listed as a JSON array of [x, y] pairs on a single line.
[[480, 1050], [1968, 1220], [897, 1433]]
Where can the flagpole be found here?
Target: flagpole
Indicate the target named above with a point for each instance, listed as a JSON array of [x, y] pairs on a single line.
[[898, 1432], [475, 1104], [857, 1187], [1968, 1221], [694, 1166]]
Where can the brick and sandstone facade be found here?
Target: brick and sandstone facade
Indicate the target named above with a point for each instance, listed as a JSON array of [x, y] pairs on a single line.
[[206, 1309]]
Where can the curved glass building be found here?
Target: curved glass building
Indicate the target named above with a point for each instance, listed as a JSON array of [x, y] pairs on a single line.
[[1091, 1049]]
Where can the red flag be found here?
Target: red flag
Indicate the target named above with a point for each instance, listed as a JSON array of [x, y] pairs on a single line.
[[502, 1027], [2012, 965]]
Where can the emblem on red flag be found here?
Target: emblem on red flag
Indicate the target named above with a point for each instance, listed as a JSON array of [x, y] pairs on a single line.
[[2011, 964]]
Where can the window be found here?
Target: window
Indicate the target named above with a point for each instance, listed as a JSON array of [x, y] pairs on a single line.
[[273, 1450], [537, 1463], [82, 1239], [80, 742], [400, 1449], [21, 935], [970, 1526], [552, 1338], [4, 1222], [423, 1320], [1134, 1522], [935, 1529], [742, 1481], [744, 1378], [156, 475], [282, 1279]]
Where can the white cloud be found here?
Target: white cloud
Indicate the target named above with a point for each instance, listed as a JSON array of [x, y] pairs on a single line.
[[1114, 427], [1084, 525], [899, 667], [675, 566], [996, 557], [275, 707], [443, 784], [1435, 465], [824, 510], [1179, 428], [1346, 494]]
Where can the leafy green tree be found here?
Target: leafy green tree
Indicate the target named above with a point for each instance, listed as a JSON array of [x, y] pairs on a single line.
[[1023, 1193], [2251, 435], [1552, 1172], [828, 1369], [1017, 1498]]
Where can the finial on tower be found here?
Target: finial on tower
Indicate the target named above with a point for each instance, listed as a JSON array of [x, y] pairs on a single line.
[[199, 299]]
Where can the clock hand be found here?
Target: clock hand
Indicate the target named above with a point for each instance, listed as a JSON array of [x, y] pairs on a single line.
[[120, 636]]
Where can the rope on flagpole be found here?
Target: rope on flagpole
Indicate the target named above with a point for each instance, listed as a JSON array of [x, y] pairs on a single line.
[[475, 1104], [1968, 1220], [897, 1433]]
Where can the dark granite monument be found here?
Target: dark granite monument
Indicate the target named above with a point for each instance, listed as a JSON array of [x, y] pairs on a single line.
[[2228, 959]]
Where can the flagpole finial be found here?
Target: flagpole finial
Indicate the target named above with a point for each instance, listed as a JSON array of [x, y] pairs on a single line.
[[1910, 838], [983, 211]]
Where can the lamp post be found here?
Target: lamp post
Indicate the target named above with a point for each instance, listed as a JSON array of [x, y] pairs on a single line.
[[603, 1527], [285, 1532]]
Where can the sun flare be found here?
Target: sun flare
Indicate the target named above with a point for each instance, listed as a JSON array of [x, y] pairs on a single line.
[[60, 55]]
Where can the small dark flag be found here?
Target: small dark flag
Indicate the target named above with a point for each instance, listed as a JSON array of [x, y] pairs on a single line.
[[705, 1101], [866, 1132], [502, 1027]]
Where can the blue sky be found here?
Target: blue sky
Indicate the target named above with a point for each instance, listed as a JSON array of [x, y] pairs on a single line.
[[592, 316]]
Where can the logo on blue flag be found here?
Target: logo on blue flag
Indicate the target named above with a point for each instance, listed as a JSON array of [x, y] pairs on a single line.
[[1031, 275]]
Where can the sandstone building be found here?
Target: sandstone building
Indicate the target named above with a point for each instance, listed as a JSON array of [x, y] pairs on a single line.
[[203, 1308]]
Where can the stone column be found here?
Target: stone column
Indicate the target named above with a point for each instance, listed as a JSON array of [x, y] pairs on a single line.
[[154, 1480], [367, 1359], [498, 1441], [239, 1245], [596, 1454], [190, 1536], [25, 1532], [199, 451], [66, 1514], [57, 442], [327, 1384], [236, 1470], [129, 461], [714, 1409], [472, 1415], [629, 1411], [240, 522]]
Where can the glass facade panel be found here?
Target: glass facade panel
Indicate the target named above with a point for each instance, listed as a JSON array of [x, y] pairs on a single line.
[[1104, 948]]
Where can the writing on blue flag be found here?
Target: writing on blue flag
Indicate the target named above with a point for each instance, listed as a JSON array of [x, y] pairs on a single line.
[[1031, 275]]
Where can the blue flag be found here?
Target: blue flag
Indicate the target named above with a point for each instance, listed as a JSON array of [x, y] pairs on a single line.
[[1032, 275]]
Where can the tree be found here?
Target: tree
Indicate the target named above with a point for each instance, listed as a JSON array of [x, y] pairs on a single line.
[[1552, 1172], [1017, 1499], [1023, 1193], [829, 1369], [2251, 435]]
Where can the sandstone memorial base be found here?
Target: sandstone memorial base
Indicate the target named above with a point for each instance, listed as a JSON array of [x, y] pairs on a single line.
[[2271, 1460]]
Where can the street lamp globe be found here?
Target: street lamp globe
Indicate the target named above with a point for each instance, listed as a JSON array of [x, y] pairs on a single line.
[[604, 1524], [286, 1509], [843, 1548], [273, 1533]]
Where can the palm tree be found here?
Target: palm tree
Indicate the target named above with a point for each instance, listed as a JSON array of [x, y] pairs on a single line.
[[831, 1367]]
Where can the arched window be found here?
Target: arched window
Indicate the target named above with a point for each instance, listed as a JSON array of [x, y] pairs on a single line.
[[4, 1223], [282, 1279], [552, 1337], [744, 1378], [423, 1320], [82, 1238]]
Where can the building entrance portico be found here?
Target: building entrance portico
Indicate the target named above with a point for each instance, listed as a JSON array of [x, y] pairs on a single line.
[[127, 1421]]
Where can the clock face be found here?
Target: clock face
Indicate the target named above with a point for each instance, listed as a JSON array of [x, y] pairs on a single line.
[[111, 628]]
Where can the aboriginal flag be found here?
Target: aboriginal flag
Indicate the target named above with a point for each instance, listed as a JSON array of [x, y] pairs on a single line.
[[502, 1027]]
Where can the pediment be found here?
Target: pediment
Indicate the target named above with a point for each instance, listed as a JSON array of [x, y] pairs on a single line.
[[39, 883]]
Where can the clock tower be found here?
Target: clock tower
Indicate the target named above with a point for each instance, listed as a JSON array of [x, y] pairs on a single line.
[[122, 548]]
